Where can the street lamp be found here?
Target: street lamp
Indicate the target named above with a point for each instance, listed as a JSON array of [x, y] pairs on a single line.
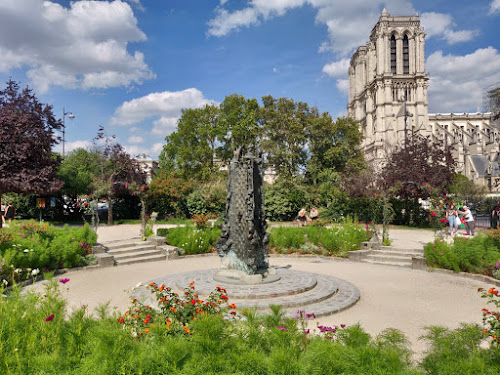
[[70, 116]]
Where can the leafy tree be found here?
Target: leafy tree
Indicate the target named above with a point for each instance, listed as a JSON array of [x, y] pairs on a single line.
[[419, 163], [115, 168], [26, 139], [466, 190], [333, 146], [284, 134], [197, 142], [240, 117], [77, 170]]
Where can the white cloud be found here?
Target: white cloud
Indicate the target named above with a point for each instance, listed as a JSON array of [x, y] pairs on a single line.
[[136, 139], [157, 148], [495, 7], [441, 25], [348, 23], [343, 86], [84, 45], [164, 126], [337, 68], [165, 104], [458, 82], [70, 146]]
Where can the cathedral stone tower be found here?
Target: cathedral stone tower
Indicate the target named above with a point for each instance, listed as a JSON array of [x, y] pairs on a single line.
[[388, 85]]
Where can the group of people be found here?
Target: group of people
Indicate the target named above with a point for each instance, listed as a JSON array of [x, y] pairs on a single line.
[[304, 219], [8, 212], [456, 216]]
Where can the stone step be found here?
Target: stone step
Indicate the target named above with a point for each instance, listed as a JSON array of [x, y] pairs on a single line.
[[322, 291], [129, 250], [123, 244], [388, 258], [137, 254], [404, 253], [347, 296], [327, 296], [142, 259], [399, 250], [405, 263]]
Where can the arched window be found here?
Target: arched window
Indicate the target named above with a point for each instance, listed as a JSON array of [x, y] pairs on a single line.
[[406, 56], [393, 54]]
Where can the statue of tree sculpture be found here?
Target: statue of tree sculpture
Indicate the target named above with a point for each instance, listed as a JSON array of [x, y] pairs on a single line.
[[243, 241]]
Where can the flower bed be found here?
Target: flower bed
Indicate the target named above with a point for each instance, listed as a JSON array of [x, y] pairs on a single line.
[[479, 254], [319, 240], [27, 248]]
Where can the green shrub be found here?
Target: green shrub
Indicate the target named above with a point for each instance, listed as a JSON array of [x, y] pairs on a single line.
[[473, 255], [284, 204], [286, 237], [43, 246], [329, 241], [193, 240]]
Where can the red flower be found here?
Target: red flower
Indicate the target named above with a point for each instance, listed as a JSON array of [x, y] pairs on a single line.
[[49, 318], [193, 302], [121, 320], [433, 213]]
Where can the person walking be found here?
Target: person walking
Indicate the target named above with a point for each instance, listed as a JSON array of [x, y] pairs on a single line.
[[469, 220], [452, 216], [9, 212], [495, 216]]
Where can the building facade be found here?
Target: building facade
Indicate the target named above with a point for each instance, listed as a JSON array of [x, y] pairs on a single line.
[[388, 96]]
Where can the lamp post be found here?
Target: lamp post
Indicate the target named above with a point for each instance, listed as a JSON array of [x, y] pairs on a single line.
[[71, 116]]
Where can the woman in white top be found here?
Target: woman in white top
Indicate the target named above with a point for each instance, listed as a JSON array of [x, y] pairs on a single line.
[[469, 220]]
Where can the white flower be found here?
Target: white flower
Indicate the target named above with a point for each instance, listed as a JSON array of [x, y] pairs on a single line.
[[35, 272], [28, 270], [26, 251], [138, 285], [5, 282], [17, 270]]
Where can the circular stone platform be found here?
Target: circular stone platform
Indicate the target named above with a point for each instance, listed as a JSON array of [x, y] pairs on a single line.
[[296, 290]]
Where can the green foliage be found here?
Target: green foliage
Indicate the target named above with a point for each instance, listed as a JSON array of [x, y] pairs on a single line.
[[193, 240], [465, 190], [208, 197], [42, 246], [192, 149], [473, 255], [284, 203], [318, 240], [458, 352], [39, 336], [285, 237], [169, 195], [77, 170]]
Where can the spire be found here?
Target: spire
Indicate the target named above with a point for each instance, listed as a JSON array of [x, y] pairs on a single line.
[[384, 13]]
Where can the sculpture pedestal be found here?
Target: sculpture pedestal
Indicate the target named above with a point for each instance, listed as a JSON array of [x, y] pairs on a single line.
[[231, 276]]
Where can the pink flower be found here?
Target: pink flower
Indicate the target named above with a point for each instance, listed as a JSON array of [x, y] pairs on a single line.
[[49, 318], [63, 281]]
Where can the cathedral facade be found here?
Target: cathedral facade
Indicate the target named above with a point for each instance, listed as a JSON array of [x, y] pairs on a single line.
[[388, 96]]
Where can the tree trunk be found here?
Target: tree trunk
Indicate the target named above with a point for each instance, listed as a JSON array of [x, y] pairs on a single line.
[[143, 217], [110, 211]]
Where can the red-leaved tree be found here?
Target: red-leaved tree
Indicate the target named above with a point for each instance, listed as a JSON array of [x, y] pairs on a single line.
[[26, 139]]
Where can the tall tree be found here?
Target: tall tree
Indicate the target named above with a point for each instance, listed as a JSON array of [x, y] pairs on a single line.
[[77, 171], [284, 134], [198, 141], [333, 147], [240, 117], [26, 139]]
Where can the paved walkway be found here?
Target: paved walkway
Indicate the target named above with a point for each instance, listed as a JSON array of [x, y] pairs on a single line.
[[390, 296]]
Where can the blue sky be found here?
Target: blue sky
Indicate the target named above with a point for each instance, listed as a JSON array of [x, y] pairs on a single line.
[[131, 66]]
